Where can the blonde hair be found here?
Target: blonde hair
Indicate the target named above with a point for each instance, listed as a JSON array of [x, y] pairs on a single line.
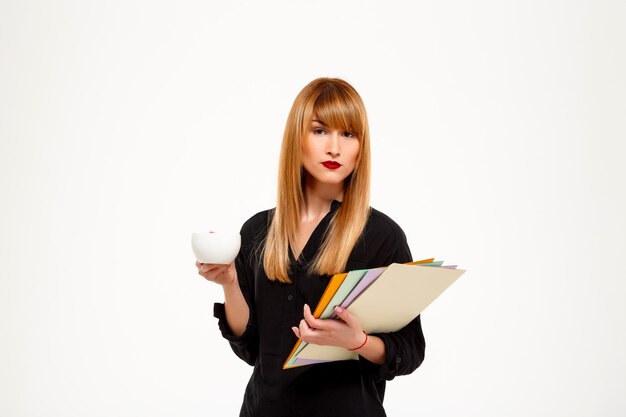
[[338, 105]]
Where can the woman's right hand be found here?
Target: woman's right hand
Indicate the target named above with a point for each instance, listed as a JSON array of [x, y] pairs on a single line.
[[218, 273]]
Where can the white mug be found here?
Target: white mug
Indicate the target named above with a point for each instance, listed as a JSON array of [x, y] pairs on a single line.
[[215, 248]]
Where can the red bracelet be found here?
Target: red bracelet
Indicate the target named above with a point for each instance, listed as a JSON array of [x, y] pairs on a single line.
[[357, 348]]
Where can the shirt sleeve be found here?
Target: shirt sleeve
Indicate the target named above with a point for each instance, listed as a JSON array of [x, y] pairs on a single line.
[[245, 346], [404, 348]]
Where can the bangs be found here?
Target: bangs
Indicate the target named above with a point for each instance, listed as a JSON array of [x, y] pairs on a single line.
[[336, 108]]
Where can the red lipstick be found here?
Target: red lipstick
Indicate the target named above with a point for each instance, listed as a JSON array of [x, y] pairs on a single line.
[[331, 164]]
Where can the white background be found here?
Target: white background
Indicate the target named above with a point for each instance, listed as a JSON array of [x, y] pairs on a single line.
[[498, 132]]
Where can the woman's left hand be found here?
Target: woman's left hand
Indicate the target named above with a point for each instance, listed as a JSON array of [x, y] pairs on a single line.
[[346, 331]]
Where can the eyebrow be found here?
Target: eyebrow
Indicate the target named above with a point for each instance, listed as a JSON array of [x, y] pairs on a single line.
[[320, 122]]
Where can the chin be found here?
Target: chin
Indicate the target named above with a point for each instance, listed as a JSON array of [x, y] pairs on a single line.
[[328, 178], [331, 181]]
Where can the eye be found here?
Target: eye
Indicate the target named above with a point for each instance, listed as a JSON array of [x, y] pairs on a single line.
[[349, 134], [318, 131]]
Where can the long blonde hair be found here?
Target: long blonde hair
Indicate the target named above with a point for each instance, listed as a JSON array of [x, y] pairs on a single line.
[[339, 105]]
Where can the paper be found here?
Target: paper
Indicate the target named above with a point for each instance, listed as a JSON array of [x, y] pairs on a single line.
[[384, 300], [348, 284], [353, 283], [371, 276]]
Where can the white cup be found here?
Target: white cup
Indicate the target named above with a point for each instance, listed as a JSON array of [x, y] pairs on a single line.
[[215, 248]]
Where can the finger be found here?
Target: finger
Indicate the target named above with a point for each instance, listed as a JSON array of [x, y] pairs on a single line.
[[321, 324], [304, 327], [221, 273], [216, 274], [296, 331], [347, 317], [311, 320], [211, 268], [307, 334]]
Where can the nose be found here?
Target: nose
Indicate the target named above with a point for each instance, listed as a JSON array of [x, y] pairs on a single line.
[[333, 145]]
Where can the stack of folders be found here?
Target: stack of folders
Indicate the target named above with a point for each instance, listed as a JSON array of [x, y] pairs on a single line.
[[383, 300]]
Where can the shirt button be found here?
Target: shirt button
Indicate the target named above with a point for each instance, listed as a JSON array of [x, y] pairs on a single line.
[[398, 359], [290, 297]]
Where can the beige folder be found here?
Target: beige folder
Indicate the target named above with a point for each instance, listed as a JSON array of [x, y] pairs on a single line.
[[399, 295]]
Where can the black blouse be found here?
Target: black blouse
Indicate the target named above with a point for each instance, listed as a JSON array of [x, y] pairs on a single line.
[[342, 388]]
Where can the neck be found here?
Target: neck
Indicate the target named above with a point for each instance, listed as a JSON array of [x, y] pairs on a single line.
[[318, 197]]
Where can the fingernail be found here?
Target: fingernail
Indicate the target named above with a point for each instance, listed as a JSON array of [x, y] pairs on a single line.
[[305, 307], [339, 309]]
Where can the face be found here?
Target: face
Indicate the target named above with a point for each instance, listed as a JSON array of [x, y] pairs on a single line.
[[329, 154]]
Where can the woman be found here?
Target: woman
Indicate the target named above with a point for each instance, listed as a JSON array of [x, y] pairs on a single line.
[[322, 225]]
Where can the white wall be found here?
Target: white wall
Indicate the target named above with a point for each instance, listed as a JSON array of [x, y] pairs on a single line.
[[498, 136]]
